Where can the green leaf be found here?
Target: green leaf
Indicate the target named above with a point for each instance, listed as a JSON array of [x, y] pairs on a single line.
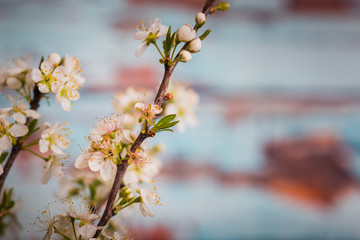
[[32, 126], [165, 120], [166, 130], [223, 6], [205, 34], [3, 156]]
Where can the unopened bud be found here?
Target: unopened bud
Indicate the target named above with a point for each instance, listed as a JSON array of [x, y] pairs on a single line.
[[54, 58], [186, 33], [223, 6], [200, 18], [168, 97], [185, 56], [13, 83], [195, 45]]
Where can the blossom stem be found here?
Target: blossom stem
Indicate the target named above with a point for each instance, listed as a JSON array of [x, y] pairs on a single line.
[[57, 231], [159, 50], [73, 227], [159, 99], [38, 155], [34, 105], [31, 144], [172, 54]]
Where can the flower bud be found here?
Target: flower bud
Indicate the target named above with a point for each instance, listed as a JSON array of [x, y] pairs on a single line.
[[185, 56], [168, 97], [195, 45], [54, 58], [200, 18], [223, 6], [186, 33], [13, 83]]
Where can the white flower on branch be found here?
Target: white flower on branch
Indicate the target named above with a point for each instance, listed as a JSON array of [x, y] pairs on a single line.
[[53, 167], [49, 77], [105, 146], [195, 45], [145, 174], [20, 110], [54, 138], [186, 33], [8, 131], [148, 112], [200, 18], [124, 102], [149, 33], [185, 56], [80, 210], [184, 102], [67, 92], [46, 222], [147, 197]]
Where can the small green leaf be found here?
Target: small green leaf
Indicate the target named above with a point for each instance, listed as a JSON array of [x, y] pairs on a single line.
[[3, 156], [32, 126], [166, 130], [205, 34]]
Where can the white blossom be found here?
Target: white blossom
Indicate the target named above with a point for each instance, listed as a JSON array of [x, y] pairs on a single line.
[[200, 18], [49, 77], [20, 110], [147, 197], [186, 33], [183, 104], [54, 138], [53, 167], [185, 56], [9, 130], [148, 112], [195, 45], [148, 32]]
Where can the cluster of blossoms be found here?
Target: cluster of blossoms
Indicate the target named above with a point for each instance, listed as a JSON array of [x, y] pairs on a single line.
[[76, 220], [59, 76], [17, 76], [150, 32], [10, 130]]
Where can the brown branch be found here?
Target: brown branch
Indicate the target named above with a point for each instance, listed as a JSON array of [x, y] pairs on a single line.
[[34, 104], [159, 99]]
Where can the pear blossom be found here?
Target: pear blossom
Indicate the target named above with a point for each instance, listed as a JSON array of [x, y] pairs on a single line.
[[49, 77], [148, 112], [105, 146], [185, 56], [195, 45], [124, 102], [148, 33], [16, 75], [144, 174], [79, 209], [20, 110], [186, 33], [200, 18], [147, 197], [8, 131], [183, 104], [46, 222], [67, 92], [73, 71], [54, 138], [53, 167], [139, 159]]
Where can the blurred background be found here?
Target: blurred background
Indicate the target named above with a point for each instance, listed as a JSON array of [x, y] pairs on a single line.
[[277, 151]]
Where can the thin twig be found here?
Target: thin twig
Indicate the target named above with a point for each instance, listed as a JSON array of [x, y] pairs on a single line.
[[34, 104], [159, 99]]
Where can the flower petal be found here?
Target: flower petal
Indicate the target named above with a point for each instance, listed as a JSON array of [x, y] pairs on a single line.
[[82, 160], [32, 113], [18, 130], [87, 230], [56, 149], [5, 142], [108, 170], [141, 49], [44, 145], [43, 88], [36, 75], [95, 161], [141, 35], [19, 117]]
